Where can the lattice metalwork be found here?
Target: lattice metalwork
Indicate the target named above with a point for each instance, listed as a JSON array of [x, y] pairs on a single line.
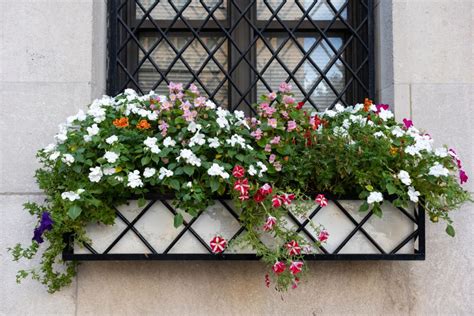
[[148, 233], [235, 50]]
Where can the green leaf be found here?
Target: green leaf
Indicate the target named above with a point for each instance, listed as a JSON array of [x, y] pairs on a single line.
[[178, 220], [189, 170], [377, 210], [364, 207], [145, 160], [450, 230], [141, 202], [74, 211], [391, 189], [174, 183], [214, 184]]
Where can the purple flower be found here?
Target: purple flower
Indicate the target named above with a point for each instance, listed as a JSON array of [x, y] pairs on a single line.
[[46, 223], [463, 176], [408, 123]]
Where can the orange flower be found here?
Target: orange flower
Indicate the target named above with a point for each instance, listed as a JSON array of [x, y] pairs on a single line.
[[121, 122], [143, 124], [367, 104]]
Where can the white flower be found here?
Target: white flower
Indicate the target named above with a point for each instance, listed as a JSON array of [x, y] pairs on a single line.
[[164, 173], [49, 148], [397, 131], [210, 105], [197, 139], [413, 194], [438, 170], [112, 139], [340, 131], [109, 171], [357, 107], [236, 140], [385, 114], [222, 122], [263, 168], [149, 172], [217, 170], [62, 135], [152, 116], [404, 177], [119, 178], [93, 130], [97, 112], [95, 174], [358, 119], [111, 156], [189, 184], [68, 159], [374, 197], [441, 152], [252, 170], [54, 156], [193, 127], [213, 142], [379, 134], [169, 142], [330, 113], [189, 157], [239, 115], [339, 108], [71, 195], [412, 150], [134, 180], [130, 92], [346, 124], [150, 142]]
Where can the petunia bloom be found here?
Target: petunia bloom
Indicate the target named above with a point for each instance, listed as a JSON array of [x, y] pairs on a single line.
[[296, 267], [463, 176], [407, 123], [271, 221], [238, 171], [321, 200], [218, 244], [279, 267], [46, 223], [323, 235], [293, 248]]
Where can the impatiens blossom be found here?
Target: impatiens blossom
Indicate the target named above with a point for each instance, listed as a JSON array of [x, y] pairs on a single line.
[[288, 99], [112, 139], [54, 155], [218, 244], [111, 156], [397, 131], [149, 172], [163, 127], [169, 142], [291, 126], [257, 134], [262, 167], [279, 267], [375, 197], [293, 248], [285, 87], [404, 177], [213, 142], [269, 223], [463, 176], [68, 159], [438, 170], [252, 170], [72, 195], [272, 122], [150, 142], [197, 139], [134, 180], [385, 114], [238, 171], [46, 223], [272, 96], [95, 174], [413, 194], [323, 235], [268, 148], [407, 123], [321, 200], [441, 152], [164, 173], [271, 158], [189, 157], [236, 140], [275, 140], [217, 170], [296, 267]]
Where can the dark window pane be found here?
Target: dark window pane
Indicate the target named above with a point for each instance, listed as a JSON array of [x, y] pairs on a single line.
[[193, 11], [291, 11]]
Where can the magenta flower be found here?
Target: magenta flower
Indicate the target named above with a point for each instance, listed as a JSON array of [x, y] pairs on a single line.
[[257, 134], [272, 96], [285, 87], [381, 107], [272, 122], [455, 156], [463, 176], [275, 140], [291, 125], [272, 158], [408, 123], [46, 223]]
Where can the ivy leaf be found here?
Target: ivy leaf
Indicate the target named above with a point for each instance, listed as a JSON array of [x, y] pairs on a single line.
[[141, 202], [189, 170], [178, 220], [74, 211], [214, 184], [391, 189], [450, 230]]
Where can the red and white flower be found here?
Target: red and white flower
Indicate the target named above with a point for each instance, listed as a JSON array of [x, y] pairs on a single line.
[[259, 197], [271, 221], [323, 235], [293, 248], [279, 267], [277, 201], [321, 200], [218, 244], [244, 197], [242, 185], [296, 267], [266, 189], [287, 198], [267, 280], [238, 171]]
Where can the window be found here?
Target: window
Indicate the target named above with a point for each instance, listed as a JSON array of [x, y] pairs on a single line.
[[236, 50]]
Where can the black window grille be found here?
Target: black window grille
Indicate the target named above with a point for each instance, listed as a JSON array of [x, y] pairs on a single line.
[[235, 50]]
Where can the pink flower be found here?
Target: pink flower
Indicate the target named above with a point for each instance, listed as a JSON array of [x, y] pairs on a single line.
[[455, 156], [272, 158], [279, 267], [277, 201], [293, 248], [194, 89], [257, 134], [321, 200], [268, 148], [201, 101], [408, 123], [175, 87], [266, 189], [288, 99], [284, 114], [272, 96], [271, 221], [242, 185], [270, 110], [275, 140], [238, 171], [163, 127], [285, 87], [189, 115], [291, 126], [463, 176], [166, 106], [218, 244], [272, 122], [323, 235], [296, 267], [277, 165]]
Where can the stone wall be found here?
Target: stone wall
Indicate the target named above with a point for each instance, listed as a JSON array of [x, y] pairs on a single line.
[[52, 62]]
